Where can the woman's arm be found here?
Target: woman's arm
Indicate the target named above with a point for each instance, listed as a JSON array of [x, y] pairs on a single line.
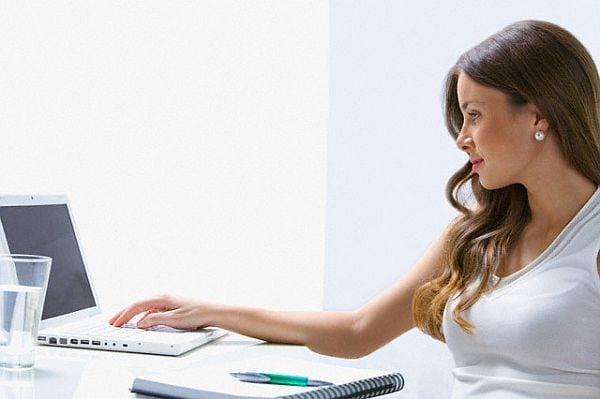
[[343, 334]]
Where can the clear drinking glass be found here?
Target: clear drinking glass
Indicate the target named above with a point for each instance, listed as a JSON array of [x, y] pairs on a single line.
[[23, 282]]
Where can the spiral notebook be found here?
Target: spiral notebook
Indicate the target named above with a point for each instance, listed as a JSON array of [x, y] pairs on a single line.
[[216, 382]]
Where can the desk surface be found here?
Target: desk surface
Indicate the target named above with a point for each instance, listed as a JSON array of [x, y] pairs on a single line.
[[63, 373]]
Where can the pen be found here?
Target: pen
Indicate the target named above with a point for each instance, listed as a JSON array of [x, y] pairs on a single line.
[[279, 379]]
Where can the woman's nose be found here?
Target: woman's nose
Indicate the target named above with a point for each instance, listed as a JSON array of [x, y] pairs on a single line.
[[464, 142]]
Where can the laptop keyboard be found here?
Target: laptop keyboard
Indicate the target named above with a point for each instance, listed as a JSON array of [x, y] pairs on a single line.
[[92, 328], [157, 334], [105, 330]]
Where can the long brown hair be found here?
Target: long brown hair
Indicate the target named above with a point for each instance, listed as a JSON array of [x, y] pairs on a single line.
[[531, 62]]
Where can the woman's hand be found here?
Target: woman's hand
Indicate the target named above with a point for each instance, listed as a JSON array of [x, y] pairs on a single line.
[[167, 310]]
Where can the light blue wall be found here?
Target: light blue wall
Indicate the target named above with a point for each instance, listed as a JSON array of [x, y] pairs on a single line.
[[389, 153]]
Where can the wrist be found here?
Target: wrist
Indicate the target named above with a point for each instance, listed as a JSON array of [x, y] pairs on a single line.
[[213, 314]]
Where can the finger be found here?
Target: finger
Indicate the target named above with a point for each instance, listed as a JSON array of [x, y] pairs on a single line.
[[115, 316], [146, 313], [152, 319], [139, 307]]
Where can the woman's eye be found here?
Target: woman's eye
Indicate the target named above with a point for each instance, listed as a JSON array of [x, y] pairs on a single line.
[[474, 115]]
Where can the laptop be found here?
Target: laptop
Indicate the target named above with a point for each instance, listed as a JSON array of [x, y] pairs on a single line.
[[71, 317]]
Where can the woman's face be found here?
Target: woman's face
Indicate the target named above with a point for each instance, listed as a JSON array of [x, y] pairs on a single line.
[[497, 136]]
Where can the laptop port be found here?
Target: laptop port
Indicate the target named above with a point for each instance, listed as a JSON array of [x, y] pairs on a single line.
[[125, 345], [53, 340], [41, 338], [63, 341], [95, 342], [74, 341], [85, 341]]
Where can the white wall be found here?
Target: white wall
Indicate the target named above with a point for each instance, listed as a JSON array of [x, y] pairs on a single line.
[[190, 137], [389, 154]]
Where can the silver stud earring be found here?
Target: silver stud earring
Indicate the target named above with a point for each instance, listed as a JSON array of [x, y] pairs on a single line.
[[539, 135]]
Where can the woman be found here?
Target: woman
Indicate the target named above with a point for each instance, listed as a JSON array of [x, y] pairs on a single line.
[[513, 283]]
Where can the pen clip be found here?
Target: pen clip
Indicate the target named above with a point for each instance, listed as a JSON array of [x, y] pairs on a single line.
[[251, 377]]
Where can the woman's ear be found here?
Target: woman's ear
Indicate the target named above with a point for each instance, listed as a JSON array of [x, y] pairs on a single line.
[[541, 123]]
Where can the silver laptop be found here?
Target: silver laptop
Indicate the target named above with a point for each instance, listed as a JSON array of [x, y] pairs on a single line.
[[43, 225]]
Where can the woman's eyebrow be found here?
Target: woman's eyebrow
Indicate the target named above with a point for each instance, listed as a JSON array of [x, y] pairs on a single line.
[[466, 104]]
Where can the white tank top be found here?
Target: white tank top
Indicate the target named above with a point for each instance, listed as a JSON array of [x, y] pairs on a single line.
[[537, 334]]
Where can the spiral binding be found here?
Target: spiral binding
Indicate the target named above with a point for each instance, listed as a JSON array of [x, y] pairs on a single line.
[[361, 389]]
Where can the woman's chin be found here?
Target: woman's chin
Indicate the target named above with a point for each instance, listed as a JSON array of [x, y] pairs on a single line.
[[490, 184]]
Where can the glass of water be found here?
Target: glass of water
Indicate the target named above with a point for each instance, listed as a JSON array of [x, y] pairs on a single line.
[[23, 282]]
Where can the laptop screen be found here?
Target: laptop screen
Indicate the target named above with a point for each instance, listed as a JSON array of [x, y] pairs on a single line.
[[47, 230]]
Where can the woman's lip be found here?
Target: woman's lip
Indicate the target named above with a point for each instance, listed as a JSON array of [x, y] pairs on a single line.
[[476, 163]]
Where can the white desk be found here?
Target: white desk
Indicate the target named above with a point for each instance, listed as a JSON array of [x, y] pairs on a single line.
[[63, 373]]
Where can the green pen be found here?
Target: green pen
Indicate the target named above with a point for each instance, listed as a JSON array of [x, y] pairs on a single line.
[[279, 379]]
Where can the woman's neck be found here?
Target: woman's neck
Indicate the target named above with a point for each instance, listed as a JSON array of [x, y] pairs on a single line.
[[555, 202]]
